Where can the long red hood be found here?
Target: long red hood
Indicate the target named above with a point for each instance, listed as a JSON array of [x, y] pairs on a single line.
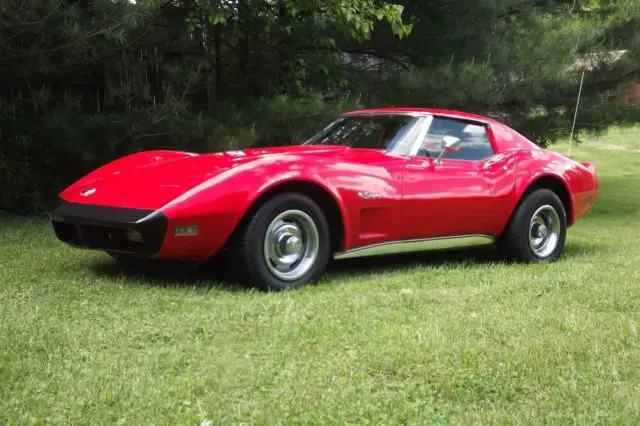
[[150, 180]]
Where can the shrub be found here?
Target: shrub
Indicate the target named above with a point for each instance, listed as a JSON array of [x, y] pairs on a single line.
[[42, 154]]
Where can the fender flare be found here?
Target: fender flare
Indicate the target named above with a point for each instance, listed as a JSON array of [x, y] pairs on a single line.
[[271, 188], [550, 180]]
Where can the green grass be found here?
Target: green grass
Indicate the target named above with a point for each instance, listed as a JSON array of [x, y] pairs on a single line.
[[454, 338]]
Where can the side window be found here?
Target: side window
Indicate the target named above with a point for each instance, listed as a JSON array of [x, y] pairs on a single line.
[[475, 141]]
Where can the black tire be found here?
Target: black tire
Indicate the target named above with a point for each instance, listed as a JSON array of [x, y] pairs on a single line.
[[247, 250], [514, 244]]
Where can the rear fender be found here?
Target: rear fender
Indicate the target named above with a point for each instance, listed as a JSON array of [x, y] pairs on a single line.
[[557, 184]]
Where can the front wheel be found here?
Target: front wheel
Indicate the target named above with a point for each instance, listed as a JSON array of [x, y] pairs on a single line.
[[285, 245], [537, 231]]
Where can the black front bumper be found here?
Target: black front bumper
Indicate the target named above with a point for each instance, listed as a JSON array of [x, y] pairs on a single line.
[[120, 230]]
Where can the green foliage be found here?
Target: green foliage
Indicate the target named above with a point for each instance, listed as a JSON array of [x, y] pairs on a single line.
[[53, 36], [42, 154], [356, 18], [85, 82], [509, 58]]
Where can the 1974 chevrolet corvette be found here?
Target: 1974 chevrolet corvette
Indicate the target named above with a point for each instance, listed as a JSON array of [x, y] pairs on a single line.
[[373, 182]]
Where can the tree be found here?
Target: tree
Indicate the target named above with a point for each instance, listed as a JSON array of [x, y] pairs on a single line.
[[85, 82], [514, 59], [294, 28]]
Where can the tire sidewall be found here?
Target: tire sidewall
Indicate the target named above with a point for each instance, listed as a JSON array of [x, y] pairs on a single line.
[[525, 213], [257, 233]]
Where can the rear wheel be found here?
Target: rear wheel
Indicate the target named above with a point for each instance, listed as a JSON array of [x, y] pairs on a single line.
[[537, 231], [285, 245]]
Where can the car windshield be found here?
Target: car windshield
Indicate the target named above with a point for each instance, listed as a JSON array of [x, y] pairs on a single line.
[[393, 133]]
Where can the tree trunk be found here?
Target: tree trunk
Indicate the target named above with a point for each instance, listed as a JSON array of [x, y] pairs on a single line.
[[214, 80], [283, 49], [244, 23], [217, 35]]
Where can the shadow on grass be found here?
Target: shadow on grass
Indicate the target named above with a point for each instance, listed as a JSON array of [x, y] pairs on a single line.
[[212, 274], [381, 264], [582, 249], [217, 274]]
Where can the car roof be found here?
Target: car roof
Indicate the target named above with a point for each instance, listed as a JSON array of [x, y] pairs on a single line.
[[505, 137], [429, 111]]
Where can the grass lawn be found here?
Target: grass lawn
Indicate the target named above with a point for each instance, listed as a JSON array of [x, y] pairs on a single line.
[[454, 338]]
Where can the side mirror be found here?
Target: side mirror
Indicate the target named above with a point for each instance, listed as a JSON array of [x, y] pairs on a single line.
[[449, 144]]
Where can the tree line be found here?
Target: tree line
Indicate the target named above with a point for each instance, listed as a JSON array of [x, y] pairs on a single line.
[[84, 82]]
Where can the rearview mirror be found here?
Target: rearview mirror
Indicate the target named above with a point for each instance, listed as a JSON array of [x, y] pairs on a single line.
[[449, 144]]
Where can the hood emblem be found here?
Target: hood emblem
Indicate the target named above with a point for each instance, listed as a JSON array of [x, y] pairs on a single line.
[[88, 192]]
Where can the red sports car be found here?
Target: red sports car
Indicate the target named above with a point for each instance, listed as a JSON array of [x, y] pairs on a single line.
[[371, 183]]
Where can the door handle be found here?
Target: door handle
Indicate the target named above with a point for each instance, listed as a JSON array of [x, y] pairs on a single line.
[[421, 164]]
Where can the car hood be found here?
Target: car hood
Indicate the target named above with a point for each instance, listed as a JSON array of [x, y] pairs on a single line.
[[154, 183]]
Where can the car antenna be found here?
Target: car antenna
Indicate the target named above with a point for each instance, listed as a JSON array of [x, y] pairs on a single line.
[[575, 116]]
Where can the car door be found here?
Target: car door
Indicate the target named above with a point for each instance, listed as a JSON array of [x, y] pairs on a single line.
[[466, 193]]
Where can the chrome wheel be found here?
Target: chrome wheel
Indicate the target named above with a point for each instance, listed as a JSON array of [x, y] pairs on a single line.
[[291, 245], [544, 231]]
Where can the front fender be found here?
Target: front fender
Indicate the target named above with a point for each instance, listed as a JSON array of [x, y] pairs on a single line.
[[297, 176], [218, 205]]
